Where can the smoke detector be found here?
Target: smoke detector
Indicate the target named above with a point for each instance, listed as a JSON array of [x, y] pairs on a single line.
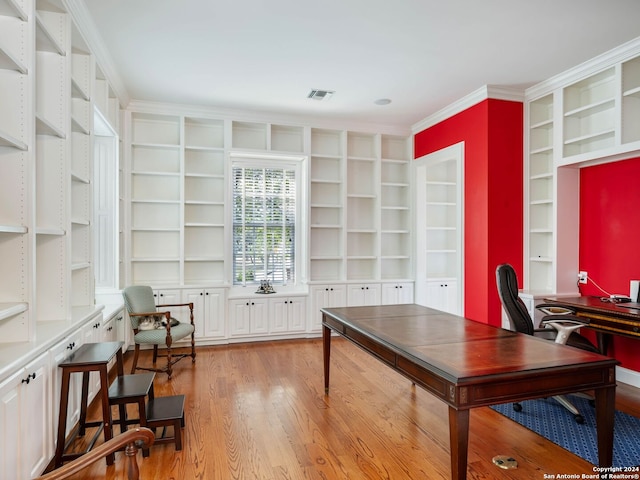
[[320, 94]]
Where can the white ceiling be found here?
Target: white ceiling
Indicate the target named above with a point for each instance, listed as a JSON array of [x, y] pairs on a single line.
[[264, 56]]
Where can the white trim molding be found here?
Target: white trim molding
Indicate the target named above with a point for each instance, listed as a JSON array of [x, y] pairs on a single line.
[[487, 91]]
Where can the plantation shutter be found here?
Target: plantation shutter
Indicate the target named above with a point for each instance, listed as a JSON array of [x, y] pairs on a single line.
[[264, 211]]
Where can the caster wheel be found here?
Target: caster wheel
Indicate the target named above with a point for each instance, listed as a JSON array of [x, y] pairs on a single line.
[[517, 407]]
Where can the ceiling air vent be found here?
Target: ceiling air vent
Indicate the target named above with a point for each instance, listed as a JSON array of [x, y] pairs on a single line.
[[320, 94]]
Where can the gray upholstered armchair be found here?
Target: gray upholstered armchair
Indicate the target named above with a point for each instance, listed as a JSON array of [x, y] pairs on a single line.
[[154, 326]]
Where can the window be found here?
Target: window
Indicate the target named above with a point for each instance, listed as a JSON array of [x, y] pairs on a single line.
[[265, 205]]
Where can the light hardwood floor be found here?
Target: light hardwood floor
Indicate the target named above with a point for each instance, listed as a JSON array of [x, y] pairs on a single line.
[[258, 411]]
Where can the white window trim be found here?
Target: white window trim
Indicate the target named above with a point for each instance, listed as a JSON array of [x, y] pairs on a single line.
[[264, 160]]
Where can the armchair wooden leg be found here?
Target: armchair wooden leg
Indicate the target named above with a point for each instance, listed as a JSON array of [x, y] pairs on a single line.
[[155, 354], [193, 348]]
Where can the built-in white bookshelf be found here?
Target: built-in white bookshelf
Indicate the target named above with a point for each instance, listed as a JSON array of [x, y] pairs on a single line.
[[631, 100], [16, 140], [540, 194], [326, 205], [589, 108], [587, 115], [395, 217], [204, 194], [362, 225]]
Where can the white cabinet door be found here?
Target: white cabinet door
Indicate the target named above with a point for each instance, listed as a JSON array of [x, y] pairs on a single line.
[[58, 354], [10, 411], [363, 295], [442, 295], [208, 311], [296, 318], [92, 333], [325, 296], [196, 296], [122, 327], [25, 445], [36, 416], [214, 320], [287, 315], [239, 317], [248, 316], [397, 293]]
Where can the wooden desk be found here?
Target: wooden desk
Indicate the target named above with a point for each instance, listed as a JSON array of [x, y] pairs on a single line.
[[467, 364], [605, 318], [90, 357]]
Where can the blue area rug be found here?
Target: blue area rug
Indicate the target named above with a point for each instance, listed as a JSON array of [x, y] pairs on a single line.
[[548, 418]]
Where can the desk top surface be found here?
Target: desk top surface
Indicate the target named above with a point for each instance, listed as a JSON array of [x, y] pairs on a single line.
[[595, 304], [461, 350]]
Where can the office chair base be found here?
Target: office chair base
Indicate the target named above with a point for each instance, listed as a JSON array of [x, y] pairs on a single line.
[[565, 403]]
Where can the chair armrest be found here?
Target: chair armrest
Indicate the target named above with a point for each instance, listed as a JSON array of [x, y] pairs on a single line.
[[132, 439], [564, 324], [149, 314], [190, 305]]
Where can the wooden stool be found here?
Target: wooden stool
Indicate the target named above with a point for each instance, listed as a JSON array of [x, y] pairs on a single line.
[[164, 412], [90, 357], [131, 389]]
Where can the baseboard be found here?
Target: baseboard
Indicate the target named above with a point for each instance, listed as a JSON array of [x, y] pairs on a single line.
[[630, 377]]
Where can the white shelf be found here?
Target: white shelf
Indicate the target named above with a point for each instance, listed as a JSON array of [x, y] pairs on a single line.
[[8, 310], [44, 127], [19, 229], [46, 40], [9, 62], [7, 140], [80, 266], [78, 178], [11, 8], [54, 231]]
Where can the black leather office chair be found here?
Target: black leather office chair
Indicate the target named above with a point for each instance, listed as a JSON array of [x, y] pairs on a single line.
[[562, 323]]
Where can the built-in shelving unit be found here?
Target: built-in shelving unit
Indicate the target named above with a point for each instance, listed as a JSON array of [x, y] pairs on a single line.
[[395, 216], [204, 190], [326, 206], [52, 106], [358, 190], [363, 179], [631, 100], [16, 141], [439, 224], [539, 193], [156, 199], [584, 116], [589, 114]]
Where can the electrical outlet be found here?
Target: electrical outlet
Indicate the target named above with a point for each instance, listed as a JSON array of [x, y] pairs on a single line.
[[582, 277]]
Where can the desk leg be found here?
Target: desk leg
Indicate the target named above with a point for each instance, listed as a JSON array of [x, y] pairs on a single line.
[[458, 442], [605, 413], [326, 350]]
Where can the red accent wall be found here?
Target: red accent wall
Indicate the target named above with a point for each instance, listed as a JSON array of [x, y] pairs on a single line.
[[610, 237], [493, 195]]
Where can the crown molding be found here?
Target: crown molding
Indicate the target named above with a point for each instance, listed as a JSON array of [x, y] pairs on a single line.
[[487, 91], [87, 28], [333, 123], [594, 65]]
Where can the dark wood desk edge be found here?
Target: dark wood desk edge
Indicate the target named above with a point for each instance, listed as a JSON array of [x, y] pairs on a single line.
[[454, 391]]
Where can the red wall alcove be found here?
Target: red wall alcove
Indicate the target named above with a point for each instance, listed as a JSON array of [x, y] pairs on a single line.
[[609, 233], [493, 210]]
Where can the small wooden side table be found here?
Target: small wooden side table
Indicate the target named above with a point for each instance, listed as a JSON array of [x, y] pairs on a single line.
[[88, 358]]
